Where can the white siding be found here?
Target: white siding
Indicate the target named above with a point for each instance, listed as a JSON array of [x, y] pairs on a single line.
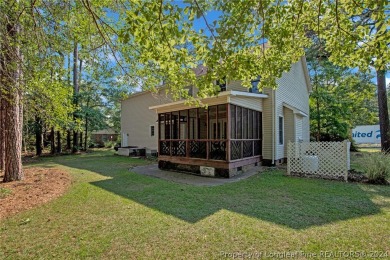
[[235, 85], [292, 90], [292, 93], [248, 102], [136, 119], [289, 127], [268, 122]]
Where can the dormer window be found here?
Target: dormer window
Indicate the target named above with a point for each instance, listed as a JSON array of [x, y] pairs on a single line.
[[222, 84], [255, 83]]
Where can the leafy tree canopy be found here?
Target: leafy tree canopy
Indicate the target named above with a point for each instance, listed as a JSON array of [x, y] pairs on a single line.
[[246, 39]]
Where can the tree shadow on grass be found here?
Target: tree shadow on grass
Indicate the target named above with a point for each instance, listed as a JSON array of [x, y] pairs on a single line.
[[293, 202]]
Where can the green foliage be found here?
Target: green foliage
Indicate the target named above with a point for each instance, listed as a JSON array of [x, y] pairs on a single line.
[[234, 46], [110, 144], [377, 166], [341, 99], [248, 39], [359, 34]]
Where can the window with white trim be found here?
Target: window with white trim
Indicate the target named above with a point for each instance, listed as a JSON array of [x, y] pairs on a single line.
[[152, 130], [281, 134]]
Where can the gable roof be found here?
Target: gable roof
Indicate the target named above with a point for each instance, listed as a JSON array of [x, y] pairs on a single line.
[[202, 70], [306, 74]]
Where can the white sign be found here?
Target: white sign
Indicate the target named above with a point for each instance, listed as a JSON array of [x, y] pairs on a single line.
[[367, 134]]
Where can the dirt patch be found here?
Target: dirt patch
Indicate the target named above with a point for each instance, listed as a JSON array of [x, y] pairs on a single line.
[[39, 186]]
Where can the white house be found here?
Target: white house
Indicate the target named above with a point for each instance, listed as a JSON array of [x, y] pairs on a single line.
[[241, 127]]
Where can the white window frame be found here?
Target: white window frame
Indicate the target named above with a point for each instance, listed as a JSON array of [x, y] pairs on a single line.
[[281, 140], [154, 130]]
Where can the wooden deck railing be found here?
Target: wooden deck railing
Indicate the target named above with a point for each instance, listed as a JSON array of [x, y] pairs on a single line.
[[211, 149]]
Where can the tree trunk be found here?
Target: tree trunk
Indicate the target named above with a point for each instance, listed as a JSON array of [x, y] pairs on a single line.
[[10, 80], [52, 141], [81, 138], [13, 138], [44, 137], [2, 132], [318, 120], [383, 111], [75, 99], [86, 132], [25, 137], [38, 136], [59, 148], [68, 140], [75, 147]]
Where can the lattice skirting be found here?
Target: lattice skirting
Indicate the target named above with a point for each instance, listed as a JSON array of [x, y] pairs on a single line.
[[325, 159]]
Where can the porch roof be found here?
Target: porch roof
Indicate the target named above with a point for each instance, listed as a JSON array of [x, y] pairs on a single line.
[[222, 98]]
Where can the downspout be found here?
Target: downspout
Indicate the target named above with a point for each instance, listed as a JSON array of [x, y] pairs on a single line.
[[273, 126]]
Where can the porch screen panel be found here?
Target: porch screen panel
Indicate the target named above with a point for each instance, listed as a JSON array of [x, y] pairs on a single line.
[[175, 125], [222, 122], [183, 124], [213, 126], [233, 121], [168, 126], [239, 123], [202, 123], [260, 125], [250, 124], [255, 125], [161, 126], [193, 124], [244, 123]]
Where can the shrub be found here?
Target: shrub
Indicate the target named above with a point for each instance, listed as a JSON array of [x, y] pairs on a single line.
[[109, 144], [376, 167]]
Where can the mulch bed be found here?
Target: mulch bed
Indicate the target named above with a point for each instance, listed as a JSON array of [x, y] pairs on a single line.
[[40, 185], [353, 176]]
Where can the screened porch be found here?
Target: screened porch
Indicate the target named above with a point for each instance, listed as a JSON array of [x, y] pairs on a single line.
[[223, 133]]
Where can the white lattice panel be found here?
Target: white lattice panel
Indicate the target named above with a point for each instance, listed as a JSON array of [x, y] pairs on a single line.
[[327, 159]]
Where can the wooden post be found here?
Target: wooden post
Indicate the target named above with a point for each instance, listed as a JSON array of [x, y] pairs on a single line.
[[159, 133], [170, 134], [346, 153], [207, 134], [188, 134], [228, 137]]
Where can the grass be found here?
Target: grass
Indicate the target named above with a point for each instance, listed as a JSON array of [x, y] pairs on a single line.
[[4, 192], [110, 212], [359, 159]]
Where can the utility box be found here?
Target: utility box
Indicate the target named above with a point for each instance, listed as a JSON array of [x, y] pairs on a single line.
[[310, 163], [124, 151]]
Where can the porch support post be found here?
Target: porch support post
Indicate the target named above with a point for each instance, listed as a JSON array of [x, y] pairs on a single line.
[[228, 119], [188, 134], [207, 134], [159, 133], [170, 134]]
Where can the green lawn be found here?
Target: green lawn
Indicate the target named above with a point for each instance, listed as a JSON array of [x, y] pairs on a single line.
[[110, 212]]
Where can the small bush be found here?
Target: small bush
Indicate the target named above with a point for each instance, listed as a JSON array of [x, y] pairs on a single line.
[[376, 167], [109, 144]]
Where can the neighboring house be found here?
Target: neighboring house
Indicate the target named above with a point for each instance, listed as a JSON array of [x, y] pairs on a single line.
[[104, 135], [241, 127]]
